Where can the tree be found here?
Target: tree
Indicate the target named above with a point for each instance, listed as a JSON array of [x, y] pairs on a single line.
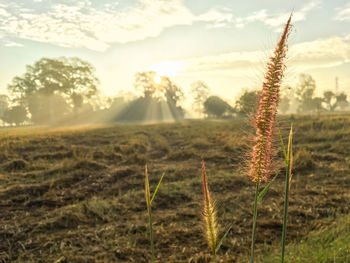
[[144, 82], [158, 87], [316, 104], [330, 100], [161, 100], [4, 104], [118, 103], [71, 78], [333, 100], [47, 108], [287, 99], [216, 107], [304, 93], [16, 114], [174, 97], [246, 104], [200, 92], [341, 99], [284, 104]]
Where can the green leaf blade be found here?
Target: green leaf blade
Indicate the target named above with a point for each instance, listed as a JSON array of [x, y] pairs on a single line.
[[267, 187], [283, 147], [222, 240], [147, 192], [155, 192]]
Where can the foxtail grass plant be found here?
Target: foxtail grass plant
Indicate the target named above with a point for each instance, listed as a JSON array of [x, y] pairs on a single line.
[[149, 201], [210, 217], [260, 168]]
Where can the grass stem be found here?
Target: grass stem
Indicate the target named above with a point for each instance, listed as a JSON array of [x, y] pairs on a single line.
[[151, 233], [255, 214], [284, 231], [289, 164]]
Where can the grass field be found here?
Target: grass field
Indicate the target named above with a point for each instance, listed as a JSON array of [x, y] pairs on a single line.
[[77, 194]]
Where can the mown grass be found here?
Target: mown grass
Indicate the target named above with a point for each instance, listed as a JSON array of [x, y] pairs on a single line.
[[77, 195]]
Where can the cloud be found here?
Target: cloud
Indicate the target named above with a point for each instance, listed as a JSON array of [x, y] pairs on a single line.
[[79, 24], [277, 19], [224, 17], [3, 12], [321, 53], [223, 62], [8, 43], [82, 25], [216, 18], [343, 13]]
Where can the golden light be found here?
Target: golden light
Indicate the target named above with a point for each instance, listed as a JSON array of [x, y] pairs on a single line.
[[157, 79], [167, 68]]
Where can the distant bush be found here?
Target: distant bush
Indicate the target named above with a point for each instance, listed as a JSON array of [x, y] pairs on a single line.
[[216, 107], [16, 114]]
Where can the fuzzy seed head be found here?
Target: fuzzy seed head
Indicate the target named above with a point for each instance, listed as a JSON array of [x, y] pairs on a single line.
[[262, 154], [209, 213]]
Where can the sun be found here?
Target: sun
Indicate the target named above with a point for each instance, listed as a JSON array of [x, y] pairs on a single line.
[[157, 79], [166, 68]]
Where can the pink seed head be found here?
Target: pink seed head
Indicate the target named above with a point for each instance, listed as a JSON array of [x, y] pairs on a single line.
[[262, 154]]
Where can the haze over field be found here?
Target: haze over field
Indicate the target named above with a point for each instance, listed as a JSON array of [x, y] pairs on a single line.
[[224, 43]]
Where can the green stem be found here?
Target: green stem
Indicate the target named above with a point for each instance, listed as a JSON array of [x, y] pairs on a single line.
[[284, 231], [151, 232], [254, 223], [215, 258]]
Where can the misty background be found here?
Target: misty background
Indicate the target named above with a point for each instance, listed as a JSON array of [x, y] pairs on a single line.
[[65, 91]]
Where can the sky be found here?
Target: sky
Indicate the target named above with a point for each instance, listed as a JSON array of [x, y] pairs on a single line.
[[223, 43]]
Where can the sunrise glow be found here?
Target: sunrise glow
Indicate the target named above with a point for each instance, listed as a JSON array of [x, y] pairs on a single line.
[[157, 79], [168, 68]]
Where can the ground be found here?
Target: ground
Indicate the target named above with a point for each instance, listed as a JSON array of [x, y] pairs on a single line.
[[77, 194]]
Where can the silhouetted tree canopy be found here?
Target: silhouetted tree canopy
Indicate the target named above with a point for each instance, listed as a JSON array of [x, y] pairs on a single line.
[[4, 104], [164, 89], [216, 107], [246, 104], [16, 114], [52, 79], [200, 92], [316, 104], [304, 94], [341, 100], [161, 100], [333, 100], [47, 108]]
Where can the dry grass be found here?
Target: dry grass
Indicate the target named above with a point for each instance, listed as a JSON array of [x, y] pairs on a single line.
[[79, 197]]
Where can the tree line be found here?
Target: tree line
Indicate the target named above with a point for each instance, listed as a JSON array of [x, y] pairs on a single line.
[[50, 90], [300, 99], [65, 90]]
